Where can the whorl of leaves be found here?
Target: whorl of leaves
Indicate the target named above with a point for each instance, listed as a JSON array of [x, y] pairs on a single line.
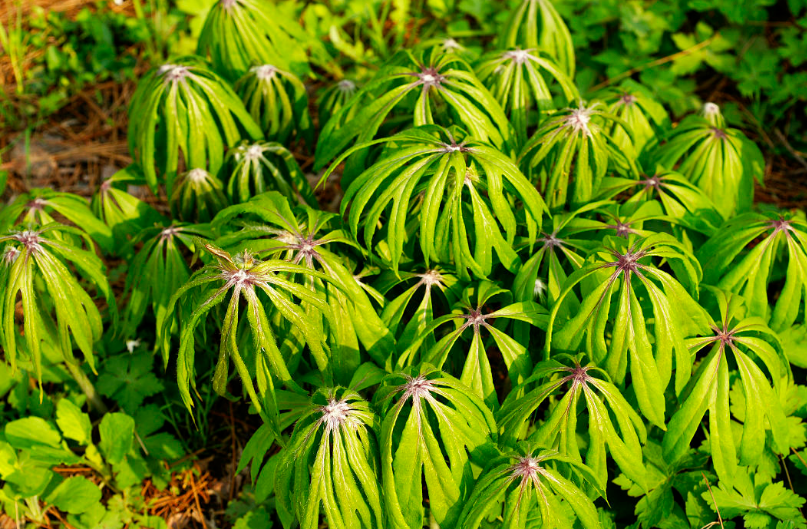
[[460, 190], [185, 108]]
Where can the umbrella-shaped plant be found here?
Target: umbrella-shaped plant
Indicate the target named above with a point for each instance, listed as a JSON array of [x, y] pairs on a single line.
[[34, 269], [755, 349], [471, 318], [251, 168], [185, 109], [720, 160], [562, 249], [572, 151], [646, 118], [461, 191], [330, 465], [629, 269], [124, 213], [158, 270], [240, 34], [406, 319], [435, 431], [39, 205], [232, 278], [197, 196], [537, 24], [520, 81], [306, 237], [623, 436], [559, 247], [679, 198], [743, 256], [277, 101], [334, 97], [533, 487], [437, 87]]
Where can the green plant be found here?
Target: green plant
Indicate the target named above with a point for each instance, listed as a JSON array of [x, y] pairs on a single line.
[[526, 481], [469, 315], [332, 460], [435, 87], [244, 275], [446, 349], [192, 112], [560, 427], [454, 166], [38, 207], [158, 270], [732, 263], [396, 310], [125, 214], [331, 100], [753, 345], [277, 101], [54, 303], [572, 151], [720, 160], [681, 200], [536, 24], [269, 228], [516, 78], [646, 118], [197, 196], [32, 448], [253, 168], [624, 266], [432, 434], [241, 34]]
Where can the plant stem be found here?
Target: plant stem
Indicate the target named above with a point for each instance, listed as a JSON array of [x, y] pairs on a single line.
[[87, 387]]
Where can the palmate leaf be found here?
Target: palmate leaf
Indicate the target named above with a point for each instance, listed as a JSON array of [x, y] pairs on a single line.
[[602, 400], [519, 80], [305, 236], [625, 267], [244, 276], [741, 258], [561, 249], [125, 214], [277, 101], [38, 205], [760, 504], [185, 109], [36, 257], [240, 34], [656, 503], [252, 168], [461, 191], [332, 98], [571, 152], [646, 118], [331, 464], [407, 320], [680, 199], [536, 24], [442, 88], [720, 160], [435, 430], [157, 271], [469, 318], [530, 481], [197, 196], [755, 351]]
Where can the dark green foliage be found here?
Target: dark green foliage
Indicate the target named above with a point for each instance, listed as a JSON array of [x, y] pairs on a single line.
[[496, 311]]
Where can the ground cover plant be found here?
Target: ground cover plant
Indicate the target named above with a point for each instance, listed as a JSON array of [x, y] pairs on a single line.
[[436, 277]]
